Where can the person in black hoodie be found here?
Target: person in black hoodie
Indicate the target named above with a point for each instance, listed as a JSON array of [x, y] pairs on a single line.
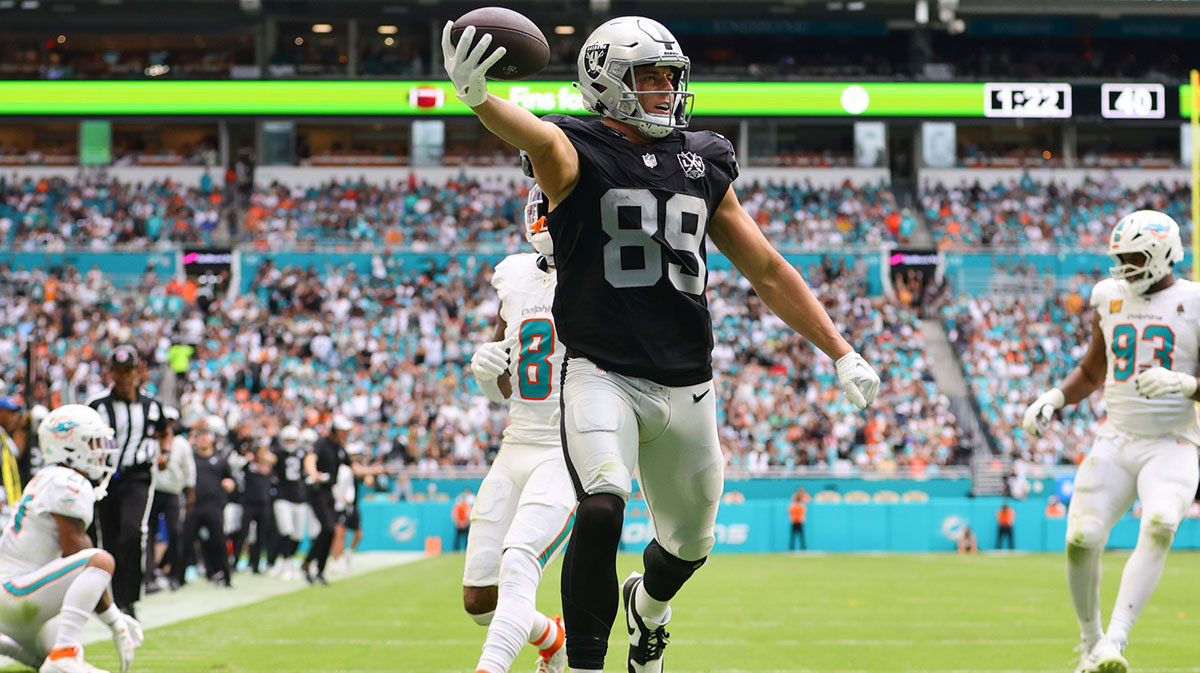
[[214, 483], [256, 503]]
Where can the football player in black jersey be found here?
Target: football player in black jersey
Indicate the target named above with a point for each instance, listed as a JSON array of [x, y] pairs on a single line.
[[632, 197], [290, 505]]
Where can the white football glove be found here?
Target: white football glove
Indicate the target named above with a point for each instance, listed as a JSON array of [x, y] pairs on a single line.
[[1038, 414], [127, 636], [466, 66], [488, 363], [1158, 382], [491, 359], [859, 381]]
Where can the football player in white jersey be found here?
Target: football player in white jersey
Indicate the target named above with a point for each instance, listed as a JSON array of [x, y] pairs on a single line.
[[1144, 350], [52, 578], [526, 504]]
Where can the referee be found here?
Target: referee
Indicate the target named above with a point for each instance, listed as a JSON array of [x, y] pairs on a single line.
[[122, 517]]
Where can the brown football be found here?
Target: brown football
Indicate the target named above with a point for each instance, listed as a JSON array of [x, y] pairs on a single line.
[[527, 50]]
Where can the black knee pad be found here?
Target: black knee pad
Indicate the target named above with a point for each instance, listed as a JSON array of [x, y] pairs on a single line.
[[600, 516], [665, 572]]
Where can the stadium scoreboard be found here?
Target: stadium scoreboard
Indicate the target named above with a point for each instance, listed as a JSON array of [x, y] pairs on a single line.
[[1128, 101], [1037, 100], [1133, 101]]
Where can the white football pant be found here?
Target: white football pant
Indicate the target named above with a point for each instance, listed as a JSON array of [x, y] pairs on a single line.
[[31, 599], [525, 502], [617, 424]]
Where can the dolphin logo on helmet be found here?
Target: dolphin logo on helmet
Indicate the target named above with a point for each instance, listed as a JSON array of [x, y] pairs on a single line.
[[75, 436], [1152, 234]]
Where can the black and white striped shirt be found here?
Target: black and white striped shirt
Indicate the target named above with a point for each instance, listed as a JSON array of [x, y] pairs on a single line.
[[136, 424]]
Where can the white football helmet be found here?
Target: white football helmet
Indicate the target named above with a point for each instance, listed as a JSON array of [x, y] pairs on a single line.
[[1152, 234], [535, 224], [289, 438], [75, 436], [606, 64]]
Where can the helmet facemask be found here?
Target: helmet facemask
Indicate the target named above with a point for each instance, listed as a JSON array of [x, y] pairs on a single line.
[[102, 466], [535, 224], [657, 123]]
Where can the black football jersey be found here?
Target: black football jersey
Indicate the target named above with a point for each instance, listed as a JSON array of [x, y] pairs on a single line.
[[629, 246], [289, 475]]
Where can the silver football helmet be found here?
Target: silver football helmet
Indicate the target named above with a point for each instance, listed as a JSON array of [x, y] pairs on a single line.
[[1153, 234], [606, 64]]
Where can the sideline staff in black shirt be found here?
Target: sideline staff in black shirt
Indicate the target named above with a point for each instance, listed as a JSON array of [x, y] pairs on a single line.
[[321, 467], [214, 483]]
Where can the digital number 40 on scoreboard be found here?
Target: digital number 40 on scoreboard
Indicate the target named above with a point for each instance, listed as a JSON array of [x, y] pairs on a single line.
[[1133, 101]]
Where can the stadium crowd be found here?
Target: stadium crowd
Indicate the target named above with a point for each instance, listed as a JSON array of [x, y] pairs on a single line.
[[95, 212], [781, 404], [1042, 217], [98, 212], [1010, 345], [388, 346]]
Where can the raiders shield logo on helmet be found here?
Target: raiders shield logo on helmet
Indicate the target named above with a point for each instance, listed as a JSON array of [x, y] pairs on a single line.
[[594, 57], [693, 164]]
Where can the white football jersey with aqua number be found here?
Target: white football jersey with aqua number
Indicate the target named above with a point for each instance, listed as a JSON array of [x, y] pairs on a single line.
[[1161, 329], [30, 540], [526, 293]]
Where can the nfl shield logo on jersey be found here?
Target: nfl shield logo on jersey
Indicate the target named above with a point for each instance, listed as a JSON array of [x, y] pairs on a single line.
[[693, 164], [650, 160]]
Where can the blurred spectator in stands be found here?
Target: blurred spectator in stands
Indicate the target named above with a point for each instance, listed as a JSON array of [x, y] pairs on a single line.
[[1042, 217], [179, 356]]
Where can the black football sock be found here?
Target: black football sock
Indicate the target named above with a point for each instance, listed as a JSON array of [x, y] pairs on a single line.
[[589, 579]]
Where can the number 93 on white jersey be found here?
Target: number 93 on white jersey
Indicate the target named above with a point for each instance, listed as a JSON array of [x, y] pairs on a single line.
[[1161, 329]]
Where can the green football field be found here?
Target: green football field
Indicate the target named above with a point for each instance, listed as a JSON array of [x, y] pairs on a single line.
[[740, 613]]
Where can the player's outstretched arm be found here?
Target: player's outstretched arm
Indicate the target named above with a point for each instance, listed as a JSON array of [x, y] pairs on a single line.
[[313, 476], [787, 294], [553, 156], [1084, 379]]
